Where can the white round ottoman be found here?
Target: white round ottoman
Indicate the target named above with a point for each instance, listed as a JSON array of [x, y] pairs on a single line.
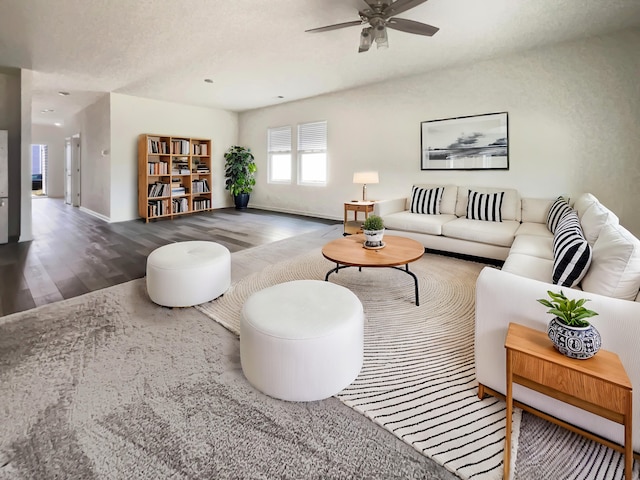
[[188, 273], [302, 340]]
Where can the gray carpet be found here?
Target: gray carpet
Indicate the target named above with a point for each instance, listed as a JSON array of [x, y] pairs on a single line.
[[108, 385]]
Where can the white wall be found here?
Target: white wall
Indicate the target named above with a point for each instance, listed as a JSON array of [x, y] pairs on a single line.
[[53, 137], [574, 126], [93, 125], [131, 116]]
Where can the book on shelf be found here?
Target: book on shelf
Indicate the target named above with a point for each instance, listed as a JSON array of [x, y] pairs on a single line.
[[201, 203], [159, 189], [178, 191], [158, 168], [200, 149], [180, 147], [200, 186], [157, 146]]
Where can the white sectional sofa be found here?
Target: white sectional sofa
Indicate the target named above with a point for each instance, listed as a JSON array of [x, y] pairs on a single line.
[[525, 243]]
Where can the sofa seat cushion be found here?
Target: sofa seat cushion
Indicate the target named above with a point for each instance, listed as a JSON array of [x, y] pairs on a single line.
[[417, 222], [533, 245], [538, 229], [529, 266], [615, 266], [493, 233]]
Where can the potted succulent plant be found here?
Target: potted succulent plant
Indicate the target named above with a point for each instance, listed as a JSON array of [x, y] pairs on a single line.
[[240, 169], [373, 229], [570, 332]]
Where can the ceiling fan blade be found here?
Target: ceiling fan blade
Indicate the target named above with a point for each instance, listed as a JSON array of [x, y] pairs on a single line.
[[411, 26], [400, 6], [336, 26]]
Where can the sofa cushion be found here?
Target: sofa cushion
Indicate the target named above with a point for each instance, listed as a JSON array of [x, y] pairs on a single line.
[[448, 200], [426, 200], [594, 218], [533, 245], [536, 210], [511, 205], [413, 222], [615, 267], [571, 252], [558, 209], [493, 233], [583, 202], [528, 266], [539, 229], [485, 206]]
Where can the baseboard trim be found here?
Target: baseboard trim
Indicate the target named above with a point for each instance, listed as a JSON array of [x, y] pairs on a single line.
[[295, 212], [95, 214]]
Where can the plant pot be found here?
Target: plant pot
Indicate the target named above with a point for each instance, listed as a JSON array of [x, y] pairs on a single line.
[[241, 200], [373, 237], [574, 342]]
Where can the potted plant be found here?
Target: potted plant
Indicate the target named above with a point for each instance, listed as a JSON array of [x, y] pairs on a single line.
[[570, 332], [240, 169], [373, 229]]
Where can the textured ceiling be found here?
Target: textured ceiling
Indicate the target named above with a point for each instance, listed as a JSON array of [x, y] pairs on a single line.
[[257, 50]]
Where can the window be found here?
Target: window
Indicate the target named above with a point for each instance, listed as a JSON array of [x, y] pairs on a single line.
[[279, 150], [312, 153]]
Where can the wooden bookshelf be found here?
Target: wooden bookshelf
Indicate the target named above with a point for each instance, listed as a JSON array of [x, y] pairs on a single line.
[[174, 176]]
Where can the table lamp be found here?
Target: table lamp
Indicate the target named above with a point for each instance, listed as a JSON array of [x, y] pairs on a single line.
[[364, 178]]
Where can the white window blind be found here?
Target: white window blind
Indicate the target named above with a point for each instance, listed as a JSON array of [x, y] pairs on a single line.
[[312, 153], [279, 153], [312, 137]]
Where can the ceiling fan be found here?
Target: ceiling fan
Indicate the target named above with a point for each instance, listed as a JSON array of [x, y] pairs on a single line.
[[378, 16]]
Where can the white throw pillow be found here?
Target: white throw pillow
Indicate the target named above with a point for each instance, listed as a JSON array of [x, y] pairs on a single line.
[[583, 202], [615, 265], [594, 218]]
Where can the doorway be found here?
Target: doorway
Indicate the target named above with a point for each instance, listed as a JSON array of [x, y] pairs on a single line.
[[39, 167]]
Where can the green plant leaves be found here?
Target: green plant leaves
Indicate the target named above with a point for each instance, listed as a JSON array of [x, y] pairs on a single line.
[[570, 312], [240, 169]]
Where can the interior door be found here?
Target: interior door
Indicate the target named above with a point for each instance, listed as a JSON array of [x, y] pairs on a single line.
[[67, 171]]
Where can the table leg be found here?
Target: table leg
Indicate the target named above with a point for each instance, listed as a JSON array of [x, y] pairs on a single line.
[[628, 440], [507, 433]]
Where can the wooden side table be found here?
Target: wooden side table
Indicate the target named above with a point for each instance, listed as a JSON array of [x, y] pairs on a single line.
[[599, 385], [352, 226]]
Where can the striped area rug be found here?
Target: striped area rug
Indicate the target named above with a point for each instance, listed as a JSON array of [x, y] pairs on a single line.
[[418, 377]]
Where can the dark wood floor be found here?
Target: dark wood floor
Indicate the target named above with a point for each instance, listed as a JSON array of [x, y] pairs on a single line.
[[74, 253]]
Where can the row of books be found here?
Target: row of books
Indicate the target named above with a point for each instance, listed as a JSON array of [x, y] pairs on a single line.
[[157, 146], [200, 186], [159, 189], [158, 207], [200, 203], [180, 146], [200, 149], [158, 168], [180, 205]]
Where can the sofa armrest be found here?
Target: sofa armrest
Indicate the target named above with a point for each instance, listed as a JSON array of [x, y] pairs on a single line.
[[503, 297], [387, 207]]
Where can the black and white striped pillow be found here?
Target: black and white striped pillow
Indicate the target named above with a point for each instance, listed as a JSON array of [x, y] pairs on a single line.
[[485, 206], [558, 209], [571, 252], [426, 200]]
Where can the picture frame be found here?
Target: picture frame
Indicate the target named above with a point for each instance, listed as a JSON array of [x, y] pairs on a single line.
[[475, 142]]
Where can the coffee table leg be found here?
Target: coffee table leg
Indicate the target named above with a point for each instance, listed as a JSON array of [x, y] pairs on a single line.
[[334, 270], [415, 280]]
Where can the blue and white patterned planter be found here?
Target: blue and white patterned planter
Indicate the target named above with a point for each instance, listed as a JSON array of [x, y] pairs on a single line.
[[574, 342]]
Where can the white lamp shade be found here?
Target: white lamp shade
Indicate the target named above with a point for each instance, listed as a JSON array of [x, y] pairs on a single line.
[[365, 177]]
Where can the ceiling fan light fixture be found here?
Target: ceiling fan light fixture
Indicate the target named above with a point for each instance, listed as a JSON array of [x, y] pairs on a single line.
[[381, 37], [365, 40]]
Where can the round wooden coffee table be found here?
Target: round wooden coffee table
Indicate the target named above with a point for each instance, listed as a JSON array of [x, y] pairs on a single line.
[[350, 252]]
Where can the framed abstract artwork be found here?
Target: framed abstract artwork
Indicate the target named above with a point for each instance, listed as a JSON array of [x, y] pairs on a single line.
[[478, 142]]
